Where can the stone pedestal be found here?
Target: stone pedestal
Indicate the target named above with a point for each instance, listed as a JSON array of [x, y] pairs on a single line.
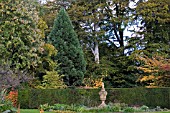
[[103, 95]]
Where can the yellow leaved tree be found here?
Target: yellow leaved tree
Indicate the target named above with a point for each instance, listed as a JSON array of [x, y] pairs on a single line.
[[156, 70]]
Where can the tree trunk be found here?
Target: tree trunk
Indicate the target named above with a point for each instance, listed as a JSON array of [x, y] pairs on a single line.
[[95, 52]]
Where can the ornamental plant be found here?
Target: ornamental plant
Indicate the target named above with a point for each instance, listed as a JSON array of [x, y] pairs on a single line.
[[13, 97], [5, 104]]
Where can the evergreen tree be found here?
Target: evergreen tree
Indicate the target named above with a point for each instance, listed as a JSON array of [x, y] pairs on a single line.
[[20, 36], [153, 35], [70, 55]]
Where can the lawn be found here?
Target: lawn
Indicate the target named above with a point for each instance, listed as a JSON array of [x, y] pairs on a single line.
[[157, 112], [31, 111], [163, 112]]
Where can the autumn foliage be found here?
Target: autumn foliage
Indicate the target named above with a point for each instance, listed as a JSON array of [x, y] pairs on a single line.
[[156, 70], [13, 96]]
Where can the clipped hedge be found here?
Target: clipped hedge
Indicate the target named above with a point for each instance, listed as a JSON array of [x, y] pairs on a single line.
[[34, 97], [152, 97]]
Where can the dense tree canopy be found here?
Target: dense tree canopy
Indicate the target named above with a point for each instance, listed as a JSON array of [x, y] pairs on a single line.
[[152, 41], [23, 49], [125, 43], [154, 19], [20, 36], [101, 27]]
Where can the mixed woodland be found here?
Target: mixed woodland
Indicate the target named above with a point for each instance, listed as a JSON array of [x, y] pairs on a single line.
[[67, 43]]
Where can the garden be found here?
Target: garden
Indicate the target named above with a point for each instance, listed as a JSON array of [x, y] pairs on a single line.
[[78, 100], [84, 56]]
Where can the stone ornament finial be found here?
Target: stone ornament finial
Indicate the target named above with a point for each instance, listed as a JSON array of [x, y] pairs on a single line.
[[103, 95], [103, 89], [102, 85]]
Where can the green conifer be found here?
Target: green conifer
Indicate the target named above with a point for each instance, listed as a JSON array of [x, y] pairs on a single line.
[[70, 55]]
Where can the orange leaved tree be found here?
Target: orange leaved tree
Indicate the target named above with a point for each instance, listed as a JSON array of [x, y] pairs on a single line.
[[156, 70]]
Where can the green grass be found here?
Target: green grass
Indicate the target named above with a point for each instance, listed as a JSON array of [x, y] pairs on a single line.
[[32, 111], [163, 112], [155, 112]]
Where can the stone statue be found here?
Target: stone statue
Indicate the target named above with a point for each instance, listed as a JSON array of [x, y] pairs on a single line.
[[103, 95]]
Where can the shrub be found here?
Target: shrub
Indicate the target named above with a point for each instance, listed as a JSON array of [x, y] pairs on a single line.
[[129, 109], [45, 107], [144, 108], [52, 80], [13, 96], [90, 97], [5, 104], [63, 96], [83, 109], [60, 107], [151, 97]]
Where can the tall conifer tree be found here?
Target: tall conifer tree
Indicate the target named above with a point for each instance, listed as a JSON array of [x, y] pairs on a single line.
[[70, 55]]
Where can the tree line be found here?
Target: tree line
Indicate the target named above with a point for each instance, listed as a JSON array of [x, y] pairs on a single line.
[[64, 43]]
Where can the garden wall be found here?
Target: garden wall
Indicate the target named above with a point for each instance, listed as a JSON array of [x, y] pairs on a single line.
[[151, 97]]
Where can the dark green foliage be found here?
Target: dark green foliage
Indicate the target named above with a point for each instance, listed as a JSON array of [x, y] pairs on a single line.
[[151, 97], [156, 18], [122, 73], [63, 96], [129, 109], [70, 55], [107, 29], [153, 36]]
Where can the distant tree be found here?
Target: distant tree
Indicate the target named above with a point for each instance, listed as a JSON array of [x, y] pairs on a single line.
[[50, 8], [101, 27], [87, 16], [151, 42], [156, 70], [154, 23], [70, 55]]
